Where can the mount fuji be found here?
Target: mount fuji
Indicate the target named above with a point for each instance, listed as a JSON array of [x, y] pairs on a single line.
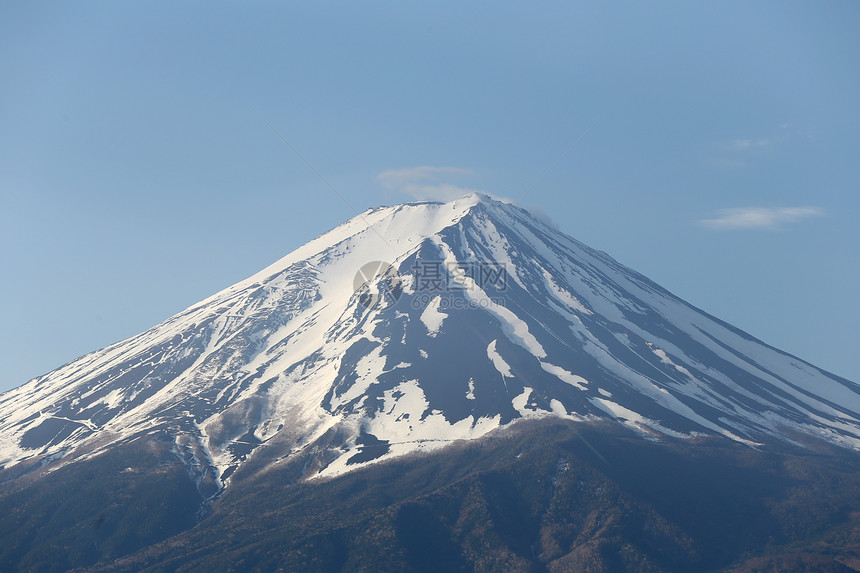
[[497, 317], [409, 330]]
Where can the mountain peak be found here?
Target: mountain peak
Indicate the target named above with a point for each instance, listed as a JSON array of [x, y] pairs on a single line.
[[410, 327]]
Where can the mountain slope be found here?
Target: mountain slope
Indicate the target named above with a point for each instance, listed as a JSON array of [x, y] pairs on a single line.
[[486, 315], [537, 498]]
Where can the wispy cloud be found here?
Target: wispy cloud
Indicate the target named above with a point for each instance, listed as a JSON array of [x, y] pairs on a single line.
[[746, 144], [742, 146], [760, 217], [426, 182], [397, 177]]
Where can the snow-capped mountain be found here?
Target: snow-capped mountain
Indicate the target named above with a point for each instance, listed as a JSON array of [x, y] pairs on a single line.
[[409, 327]]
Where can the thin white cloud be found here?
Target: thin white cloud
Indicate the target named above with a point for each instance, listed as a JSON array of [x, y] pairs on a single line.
[[727, 162], [760, 217], [747, 144], [396, 177], [426, 182], [740, 145]]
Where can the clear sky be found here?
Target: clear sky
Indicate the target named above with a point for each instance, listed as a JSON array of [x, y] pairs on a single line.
[[715, 149]]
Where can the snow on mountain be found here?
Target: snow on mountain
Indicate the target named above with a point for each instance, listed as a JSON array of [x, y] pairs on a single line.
[[485, 316]]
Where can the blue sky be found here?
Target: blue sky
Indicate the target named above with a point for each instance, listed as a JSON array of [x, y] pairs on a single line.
[[715, 149]]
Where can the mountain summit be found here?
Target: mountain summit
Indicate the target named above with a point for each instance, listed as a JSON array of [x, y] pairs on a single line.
[[411, 327]]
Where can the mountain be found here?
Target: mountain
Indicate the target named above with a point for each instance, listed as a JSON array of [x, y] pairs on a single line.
[[407, 331]]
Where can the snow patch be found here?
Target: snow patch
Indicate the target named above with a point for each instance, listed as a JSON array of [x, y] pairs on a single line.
[[432, 317], [470, 395], [499, 362], [565, 376], [664, 358], [558, 408], [519, 403]]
